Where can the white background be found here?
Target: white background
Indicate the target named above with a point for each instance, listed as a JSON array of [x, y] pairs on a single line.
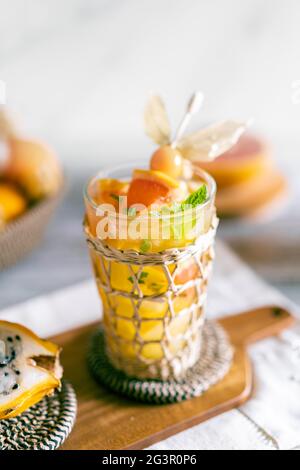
[[78, 71]]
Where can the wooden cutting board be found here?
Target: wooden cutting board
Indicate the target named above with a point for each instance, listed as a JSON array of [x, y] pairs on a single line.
[[107, 421]]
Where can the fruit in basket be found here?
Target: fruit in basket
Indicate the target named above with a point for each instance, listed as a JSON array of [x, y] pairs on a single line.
[[34, 167], [28, 163], [29, 369], [30, 183], [12, 202]]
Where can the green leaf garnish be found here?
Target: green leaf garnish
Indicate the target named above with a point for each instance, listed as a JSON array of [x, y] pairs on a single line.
[[131, 212], [130, 279], [196, 198], [156, 287], [143, 275], [145, 246], [115, 197]]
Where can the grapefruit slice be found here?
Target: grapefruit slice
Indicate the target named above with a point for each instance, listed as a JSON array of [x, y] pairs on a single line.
[[29, 369], [248, 158], [149, 187], [253, 198]]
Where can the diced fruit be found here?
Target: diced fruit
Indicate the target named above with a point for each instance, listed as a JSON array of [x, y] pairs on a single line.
[[104, 191], [12, 202], [167, 160], [34, 167], [188, 271], [152, 351], [149, 187], [146, 192], [110, 190], [29, 369]]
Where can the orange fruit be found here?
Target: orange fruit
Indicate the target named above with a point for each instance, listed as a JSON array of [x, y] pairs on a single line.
[[149, 187], [109, 190], [189, 271], [34, 167], [104, 191], [248, 158], [12, 202], [167, 160]]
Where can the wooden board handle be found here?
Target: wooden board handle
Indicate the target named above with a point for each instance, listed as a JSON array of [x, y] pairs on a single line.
[[257, 324]]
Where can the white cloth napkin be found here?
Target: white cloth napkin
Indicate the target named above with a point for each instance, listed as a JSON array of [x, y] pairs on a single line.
[[270, 420]]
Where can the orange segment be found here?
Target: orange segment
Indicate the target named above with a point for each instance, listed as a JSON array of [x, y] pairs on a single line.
[[12, 202], [146, 192], [149, 187], [157, 177], [110, 190]]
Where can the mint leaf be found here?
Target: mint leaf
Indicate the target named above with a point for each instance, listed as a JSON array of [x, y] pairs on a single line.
[[145, 246], [131, 212], [156, 287], [143, 275], [196, 198], [115, 197]]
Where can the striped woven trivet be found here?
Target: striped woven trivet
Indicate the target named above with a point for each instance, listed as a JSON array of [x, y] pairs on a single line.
[[214, 363], [45, 426]]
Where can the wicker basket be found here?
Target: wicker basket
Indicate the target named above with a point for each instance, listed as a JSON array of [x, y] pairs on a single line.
[[25, 233]]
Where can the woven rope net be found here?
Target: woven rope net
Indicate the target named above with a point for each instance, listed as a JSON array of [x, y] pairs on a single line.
[[154, 305]]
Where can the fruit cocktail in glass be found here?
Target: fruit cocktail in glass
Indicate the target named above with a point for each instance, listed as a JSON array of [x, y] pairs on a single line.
[[150, 231]]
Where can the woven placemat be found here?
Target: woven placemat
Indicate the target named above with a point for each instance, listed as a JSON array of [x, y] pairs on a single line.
[[45, 426], [214, 363]]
